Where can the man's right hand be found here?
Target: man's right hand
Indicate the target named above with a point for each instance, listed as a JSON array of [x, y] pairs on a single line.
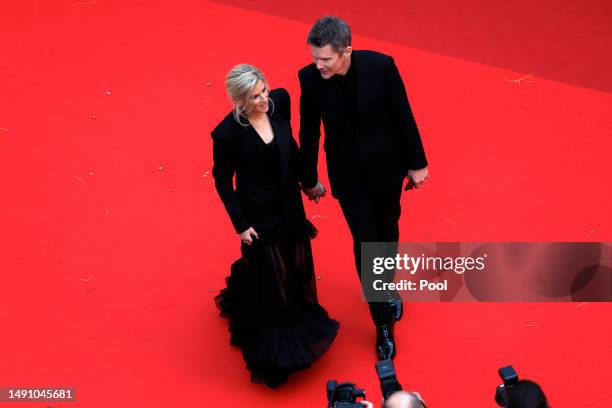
[[247, 236], [315, 193]]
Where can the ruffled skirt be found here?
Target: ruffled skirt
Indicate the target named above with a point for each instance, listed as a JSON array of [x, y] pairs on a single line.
[[271, 303]]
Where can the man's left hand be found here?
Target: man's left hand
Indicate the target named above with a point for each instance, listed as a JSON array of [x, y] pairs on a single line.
[[416, 178]]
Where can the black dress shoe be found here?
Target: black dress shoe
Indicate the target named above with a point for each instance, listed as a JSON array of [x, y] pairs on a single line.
[[385, 344], [397, 309]]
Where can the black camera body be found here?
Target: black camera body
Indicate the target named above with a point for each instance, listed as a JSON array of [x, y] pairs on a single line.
[[343, 395], [510, 379], [387, 377]]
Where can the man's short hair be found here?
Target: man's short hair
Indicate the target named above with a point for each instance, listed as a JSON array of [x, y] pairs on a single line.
[[527, 394], [403, 399], [330, 30]]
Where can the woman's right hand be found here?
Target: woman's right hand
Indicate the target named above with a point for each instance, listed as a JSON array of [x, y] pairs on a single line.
[[247, 236]]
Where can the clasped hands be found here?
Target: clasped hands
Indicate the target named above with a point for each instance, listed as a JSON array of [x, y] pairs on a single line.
[[315, 193]]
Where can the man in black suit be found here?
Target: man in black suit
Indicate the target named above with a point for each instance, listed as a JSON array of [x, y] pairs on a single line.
[[371, 142]]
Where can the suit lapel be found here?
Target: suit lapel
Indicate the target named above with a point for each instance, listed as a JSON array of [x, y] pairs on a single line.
[[332, 96], [361, 82]]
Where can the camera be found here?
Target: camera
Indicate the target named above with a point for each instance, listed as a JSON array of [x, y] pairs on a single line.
[[387, 377], [343, 395], [510, 379]]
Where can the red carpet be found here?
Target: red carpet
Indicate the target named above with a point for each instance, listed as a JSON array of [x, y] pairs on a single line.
[[113, 242]]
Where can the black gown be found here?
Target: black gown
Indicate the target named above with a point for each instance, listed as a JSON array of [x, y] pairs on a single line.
[[271, 298]]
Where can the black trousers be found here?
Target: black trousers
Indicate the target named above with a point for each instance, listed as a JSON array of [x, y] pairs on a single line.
[[373, 218]]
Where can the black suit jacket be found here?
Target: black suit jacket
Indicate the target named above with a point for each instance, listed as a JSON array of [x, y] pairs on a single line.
[[379, 148], [247, 204]]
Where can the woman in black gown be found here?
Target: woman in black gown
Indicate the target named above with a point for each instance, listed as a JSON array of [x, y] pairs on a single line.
[[271, 297]]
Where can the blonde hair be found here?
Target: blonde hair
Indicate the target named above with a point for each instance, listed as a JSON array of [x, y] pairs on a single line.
[[239, 84]]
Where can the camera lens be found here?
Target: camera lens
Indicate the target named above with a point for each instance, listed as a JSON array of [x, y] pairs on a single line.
[[501, 398]]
